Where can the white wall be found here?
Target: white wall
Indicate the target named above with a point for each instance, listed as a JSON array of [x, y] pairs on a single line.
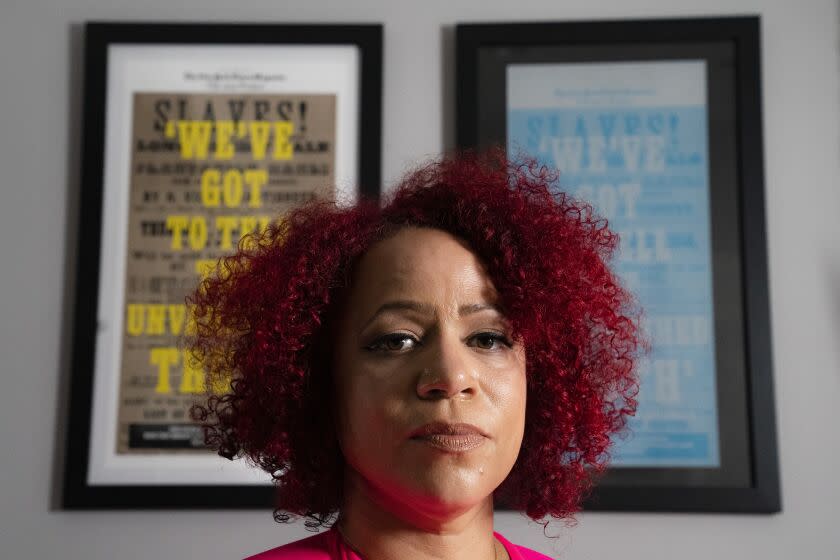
[[40, 102]]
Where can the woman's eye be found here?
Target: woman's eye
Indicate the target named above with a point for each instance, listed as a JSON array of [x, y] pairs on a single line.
[[491, 341], [397, 342]]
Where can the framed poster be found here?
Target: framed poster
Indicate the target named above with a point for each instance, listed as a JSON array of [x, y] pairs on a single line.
[[194, 136], [657, 124]]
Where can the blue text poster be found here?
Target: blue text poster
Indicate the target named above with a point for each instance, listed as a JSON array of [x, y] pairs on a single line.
[[632, 139]]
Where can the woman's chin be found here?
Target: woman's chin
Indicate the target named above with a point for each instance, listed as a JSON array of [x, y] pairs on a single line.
[[449, 493], [428, 491]]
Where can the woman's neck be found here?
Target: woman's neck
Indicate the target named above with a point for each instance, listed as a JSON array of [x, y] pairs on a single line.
[[380, 527]]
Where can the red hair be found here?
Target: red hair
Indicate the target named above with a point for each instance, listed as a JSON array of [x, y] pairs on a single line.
[[264, 320]]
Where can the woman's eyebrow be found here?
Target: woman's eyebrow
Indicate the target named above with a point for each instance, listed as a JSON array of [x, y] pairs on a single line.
[[476, 307], [426, 308]]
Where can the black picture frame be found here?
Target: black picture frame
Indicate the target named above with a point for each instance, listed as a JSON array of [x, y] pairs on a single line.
[[747, 480], [78, 492]]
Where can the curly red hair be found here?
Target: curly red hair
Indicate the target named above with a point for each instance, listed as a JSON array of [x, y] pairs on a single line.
[[264, 320]]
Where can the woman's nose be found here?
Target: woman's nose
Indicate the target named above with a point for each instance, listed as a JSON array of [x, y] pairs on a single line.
[[447, 371]]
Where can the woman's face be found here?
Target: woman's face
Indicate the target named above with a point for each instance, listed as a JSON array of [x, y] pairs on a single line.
[[431, 390]]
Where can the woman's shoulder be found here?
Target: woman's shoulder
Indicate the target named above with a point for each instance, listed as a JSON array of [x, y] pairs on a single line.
[[517, 552], [316, 547]]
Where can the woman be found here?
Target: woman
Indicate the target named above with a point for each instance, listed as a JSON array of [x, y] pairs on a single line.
[[398, 369]]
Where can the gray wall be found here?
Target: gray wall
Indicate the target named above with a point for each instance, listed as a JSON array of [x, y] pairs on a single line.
[[40, 102]]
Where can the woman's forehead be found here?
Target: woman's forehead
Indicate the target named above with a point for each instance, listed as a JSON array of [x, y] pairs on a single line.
[[424, 265]]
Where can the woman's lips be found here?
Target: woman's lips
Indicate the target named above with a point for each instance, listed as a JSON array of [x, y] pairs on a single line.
[[452, 438], [453, 444]]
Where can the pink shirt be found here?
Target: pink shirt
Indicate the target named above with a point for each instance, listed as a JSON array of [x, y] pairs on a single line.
[[329, 545]]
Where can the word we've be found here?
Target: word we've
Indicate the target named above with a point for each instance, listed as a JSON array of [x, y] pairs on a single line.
[[198, 137]]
